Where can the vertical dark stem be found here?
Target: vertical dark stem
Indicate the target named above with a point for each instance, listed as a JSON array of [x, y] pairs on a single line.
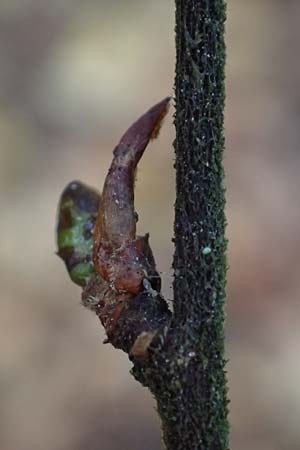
[[179, 356], [200, 421]]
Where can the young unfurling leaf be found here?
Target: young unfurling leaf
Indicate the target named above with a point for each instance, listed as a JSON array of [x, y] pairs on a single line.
[[77, 213], [121, 257], [99, 234], [96, 238]]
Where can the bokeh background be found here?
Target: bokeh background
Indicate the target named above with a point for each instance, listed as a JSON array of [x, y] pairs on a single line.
[[73, 76]]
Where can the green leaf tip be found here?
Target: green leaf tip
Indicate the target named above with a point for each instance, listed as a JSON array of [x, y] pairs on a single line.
[[77, 213]]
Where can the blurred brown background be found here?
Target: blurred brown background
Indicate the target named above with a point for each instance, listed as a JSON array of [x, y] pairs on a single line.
[[73, 76]]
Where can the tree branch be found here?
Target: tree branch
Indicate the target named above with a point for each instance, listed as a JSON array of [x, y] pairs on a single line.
[[179, 356]]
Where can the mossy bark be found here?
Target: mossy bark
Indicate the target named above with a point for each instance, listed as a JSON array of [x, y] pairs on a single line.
[[187, 372]]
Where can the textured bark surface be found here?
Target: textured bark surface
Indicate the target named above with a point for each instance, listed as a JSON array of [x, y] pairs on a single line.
[[192, 392], [186, 372]]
